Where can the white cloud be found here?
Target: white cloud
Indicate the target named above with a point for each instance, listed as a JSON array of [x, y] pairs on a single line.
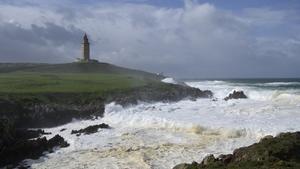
[[265, 16]]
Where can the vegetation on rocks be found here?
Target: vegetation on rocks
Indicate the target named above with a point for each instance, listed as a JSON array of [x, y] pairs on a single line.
[[280, 152]]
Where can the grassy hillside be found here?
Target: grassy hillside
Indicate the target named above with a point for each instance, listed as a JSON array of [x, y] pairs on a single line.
[[71, 68], [70, 78], [66, 82]]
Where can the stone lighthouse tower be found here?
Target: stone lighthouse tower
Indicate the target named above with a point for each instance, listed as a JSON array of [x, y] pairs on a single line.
[[85, 49]]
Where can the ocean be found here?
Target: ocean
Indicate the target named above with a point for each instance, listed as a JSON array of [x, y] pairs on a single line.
[[162, 135]]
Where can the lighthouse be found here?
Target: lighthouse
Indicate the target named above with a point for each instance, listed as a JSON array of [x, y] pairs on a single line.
[[85, 49]]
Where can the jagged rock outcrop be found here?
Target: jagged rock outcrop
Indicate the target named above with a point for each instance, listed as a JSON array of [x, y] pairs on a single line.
[[90, 129], [164, 93], [236, 95], [281, 152], [17, 145]]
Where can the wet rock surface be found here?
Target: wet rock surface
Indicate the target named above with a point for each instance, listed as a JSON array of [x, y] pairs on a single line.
[[20, 144], [34, 114], [236, 95], [90, 129], [280, 152], [29, 149]]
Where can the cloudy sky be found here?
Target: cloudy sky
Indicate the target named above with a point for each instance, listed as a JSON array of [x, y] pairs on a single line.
[[182, 38]]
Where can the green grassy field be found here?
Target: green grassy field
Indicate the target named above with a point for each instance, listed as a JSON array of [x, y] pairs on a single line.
[[66, 82], [69, 78]]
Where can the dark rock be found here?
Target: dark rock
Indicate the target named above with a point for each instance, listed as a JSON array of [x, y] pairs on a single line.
[[164, 93], [208, 160], [267, 137], [225, 158], [194, 165], [9, 134], [181, 166], [280, 152], [57, 141], [15, 145], [29, 134], [26, 113], [28, 149], [23, 167], [90, 129], [62, 129], [285, 146], [236, 95]]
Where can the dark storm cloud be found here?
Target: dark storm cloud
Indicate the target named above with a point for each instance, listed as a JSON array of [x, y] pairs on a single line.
[[196, 40], [47, 43]]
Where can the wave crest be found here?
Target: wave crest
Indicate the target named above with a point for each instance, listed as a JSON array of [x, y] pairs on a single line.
[[137, 118]]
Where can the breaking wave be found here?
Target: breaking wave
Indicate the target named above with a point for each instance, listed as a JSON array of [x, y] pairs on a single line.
[[142, 118], [290, 94], [169, 80], [280, 84]]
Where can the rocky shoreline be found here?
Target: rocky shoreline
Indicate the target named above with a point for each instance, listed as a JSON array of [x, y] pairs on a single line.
[[280, 152], [18, 144], [17, 113]]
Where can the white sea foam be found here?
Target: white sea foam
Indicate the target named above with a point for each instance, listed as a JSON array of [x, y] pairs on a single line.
[[279, 84], [222, 89], [169, 80], [161, 135]]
